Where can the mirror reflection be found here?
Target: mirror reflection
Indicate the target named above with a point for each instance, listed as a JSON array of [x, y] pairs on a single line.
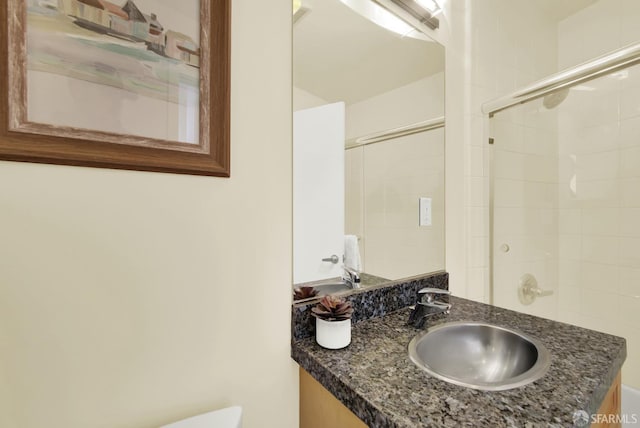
[[368, 149]]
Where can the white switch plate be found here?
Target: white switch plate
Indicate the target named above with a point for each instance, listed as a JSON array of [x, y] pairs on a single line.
[[425, 212]]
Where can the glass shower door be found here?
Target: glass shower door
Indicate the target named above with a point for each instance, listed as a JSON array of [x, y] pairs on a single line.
[[524, 192], [565, 204]]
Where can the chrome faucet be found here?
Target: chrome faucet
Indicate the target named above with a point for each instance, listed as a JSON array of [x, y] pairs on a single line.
[[428, 306], [351, 277]]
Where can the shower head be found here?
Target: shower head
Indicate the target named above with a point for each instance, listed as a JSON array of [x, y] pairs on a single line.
[[554, 99]]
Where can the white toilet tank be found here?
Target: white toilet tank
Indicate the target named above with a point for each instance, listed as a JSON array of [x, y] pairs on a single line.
[[230, 417]]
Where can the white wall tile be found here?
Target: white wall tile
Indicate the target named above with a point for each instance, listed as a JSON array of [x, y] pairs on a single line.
[[599, 138], [475, 282], [607, 38], [630, 192], [599, 150], [540, 141], [541, 168], [629, 280], [630, 15], [505, 56], [508, 136], [570, 221], [628, 102], [600, 277], [591, 305], [569, 272], [630, 130], [570, 247], [568, 299], [630, 222], [509, 164], [477, 221], [631, 370], [600, 249], [630, 162], [476, 161], [477, 254], [601, 221], [570, 43], [600, 193], [540, 195], [629, 253], [630, 307]]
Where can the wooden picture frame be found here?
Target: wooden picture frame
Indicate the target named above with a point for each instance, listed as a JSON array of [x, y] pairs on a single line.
[[31, 141]]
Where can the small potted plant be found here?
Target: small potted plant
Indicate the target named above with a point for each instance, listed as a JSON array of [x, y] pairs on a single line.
[[333, 322], [304, 292]]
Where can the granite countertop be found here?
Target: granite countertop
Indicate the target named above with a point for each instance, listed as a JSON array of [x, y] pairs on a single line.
[[375, 379]]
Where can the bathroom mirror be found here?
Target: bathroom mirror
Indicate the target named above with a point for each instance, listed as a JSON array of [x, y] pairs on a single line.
[[369, 142]]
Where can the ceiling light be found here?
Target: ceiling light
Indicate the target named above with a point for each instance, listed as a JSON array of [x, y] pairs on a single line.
[[424, 11], [385, 19]]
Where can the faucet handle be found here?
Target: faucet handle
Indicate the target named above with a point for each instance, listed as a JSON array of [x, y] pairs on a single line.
[[351, 276], [429, 295], [433, 291]]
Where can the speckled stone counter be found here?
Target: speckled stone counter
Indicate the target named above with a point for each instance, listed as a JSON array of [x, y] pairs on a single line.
[[375, 379]]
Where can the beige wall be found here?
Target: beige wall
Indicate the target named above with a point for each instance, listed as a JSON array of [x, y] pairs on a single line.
[[411, 103], [132, 299], [303, 100]]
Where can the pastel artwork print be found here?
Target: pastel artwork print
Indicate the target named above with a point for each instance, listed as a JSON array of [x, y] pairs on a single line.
[[128, 67]]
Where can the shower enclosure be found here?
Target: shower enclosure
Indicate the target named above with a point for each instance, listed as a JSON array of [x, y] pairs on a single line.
[[565, 199]]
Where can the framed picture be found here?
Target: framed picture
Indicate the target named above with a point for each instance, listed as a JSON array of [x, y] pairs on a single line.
[[126, 84]]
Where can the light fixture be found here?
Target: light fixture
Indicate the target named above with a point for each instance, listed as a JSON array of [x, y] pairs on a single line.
[[424, 11], [379, 15]]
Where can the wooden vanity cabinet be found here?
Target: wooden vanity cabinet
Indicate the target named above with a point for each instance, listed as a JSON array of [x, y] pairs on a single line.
[[320, 409], [611, 404]]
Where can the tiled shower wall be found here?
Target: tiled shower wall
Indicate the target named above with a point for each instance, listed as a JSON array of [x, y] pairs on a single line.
[[504, 56], [385, 180], [595, 206], [599, 190]]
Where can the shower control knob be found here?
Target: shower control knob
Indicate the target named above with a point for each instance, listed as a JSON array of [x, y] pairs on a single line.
[[528, 290], [504, 248]]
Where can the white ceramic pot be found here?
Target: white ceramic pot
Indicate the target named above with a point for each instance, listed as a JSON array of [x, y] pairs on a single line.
[[333, 334]]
